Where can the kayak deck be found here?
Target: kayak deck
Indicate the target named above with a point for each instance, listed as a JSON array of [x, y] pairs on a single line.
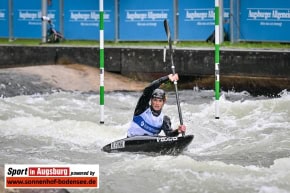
[[161, 145]]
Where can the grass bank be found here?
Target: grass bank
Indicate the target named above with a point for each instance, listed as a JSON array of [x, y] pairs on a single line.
[[181, 44]]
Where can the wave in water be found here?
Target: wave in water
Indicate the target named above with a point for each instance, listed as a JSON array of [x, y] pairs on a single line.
[[246, 150]]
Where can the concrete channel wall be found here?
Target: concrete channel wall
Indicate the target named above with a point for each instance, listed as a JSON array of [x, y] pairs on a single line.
[[253, 70]]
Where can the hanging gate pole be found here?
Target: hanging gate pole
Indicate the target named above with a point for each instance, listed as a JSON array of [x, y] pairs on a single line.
[[217, 58], [102, 87]]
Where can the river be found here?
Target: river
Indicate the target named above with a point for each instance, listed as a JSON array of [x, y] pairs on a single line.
[[246, 150]]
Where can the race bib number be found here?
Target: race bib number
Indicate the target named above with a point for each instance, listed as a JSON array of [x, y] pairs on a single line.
[[118, 145]]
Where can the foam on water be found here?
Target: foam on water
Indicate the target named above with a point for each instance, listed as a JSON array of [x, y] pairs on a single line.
[[175, 174], [246, 150]]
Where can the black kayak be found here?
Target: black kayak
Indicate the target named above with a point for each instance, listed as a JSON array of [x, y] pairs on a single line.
[[160, 145]]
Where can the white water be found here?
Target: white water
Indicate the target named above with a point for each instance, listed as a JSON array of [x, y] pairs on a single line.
[[246, 150]]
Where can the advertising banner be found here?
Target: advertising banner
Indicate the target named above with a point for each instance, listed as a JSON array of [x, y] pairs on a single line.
[[143, 20], [197, 19], [81, 20], [265, 20], [27, 17], [4, 18]]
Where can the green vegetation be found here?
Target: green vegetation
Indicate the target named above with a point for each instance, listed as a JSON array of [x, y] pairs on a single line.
[[188, 44]]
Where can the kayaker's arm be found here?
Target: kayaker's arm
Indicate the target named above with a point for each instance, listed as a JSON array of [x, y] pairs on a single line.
[[143, 102]]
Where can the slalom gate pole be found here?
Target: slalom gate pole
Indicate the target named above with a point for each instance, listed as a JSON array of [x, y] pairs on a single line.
[[217, 58], [102, 87]]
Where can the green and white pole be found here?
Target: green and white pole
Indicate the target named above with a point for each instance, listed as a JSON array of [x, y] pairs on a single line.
[[102, 87], [217, 57]]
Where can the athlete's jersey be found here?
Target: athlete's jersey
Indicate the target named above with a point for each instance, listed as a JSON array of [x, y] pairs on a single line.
[[146, 124]]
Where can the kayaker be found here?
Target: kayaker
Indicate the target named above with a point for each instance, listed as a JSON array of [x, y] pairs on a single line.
[[148, 118]]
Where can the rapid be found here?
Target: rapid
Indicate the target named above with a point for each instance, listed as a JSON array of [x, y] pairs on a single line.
[[246, 150]]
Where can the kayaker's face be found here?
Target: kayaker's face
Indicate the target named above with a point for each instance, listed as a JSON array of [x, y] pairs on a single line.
[[157, 103]]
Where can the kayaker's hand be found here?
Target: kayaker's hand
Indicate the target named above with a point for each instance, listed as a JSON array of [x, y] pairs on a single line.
[[173, 77], [181, 129]]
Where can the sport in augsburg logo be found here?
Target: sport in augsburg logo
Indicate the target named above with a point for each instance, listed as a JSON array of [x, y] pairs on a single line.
[[51, 176]]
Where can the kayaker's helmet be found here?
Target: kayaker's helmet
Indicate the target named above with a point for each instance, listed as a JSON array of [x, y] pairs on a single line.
[[159, 93]]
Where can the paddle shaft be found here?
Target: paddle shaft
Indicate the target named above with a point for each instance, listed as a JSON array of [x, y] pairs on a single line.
[[167, 30]]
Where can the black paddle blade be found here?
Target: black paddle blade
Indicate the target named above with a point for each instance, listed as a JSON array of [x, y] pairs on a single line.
[[167, 30]]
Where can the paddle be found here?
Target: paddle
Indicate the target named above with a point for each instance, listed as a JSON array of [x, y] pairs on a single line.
[[167, 30]]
